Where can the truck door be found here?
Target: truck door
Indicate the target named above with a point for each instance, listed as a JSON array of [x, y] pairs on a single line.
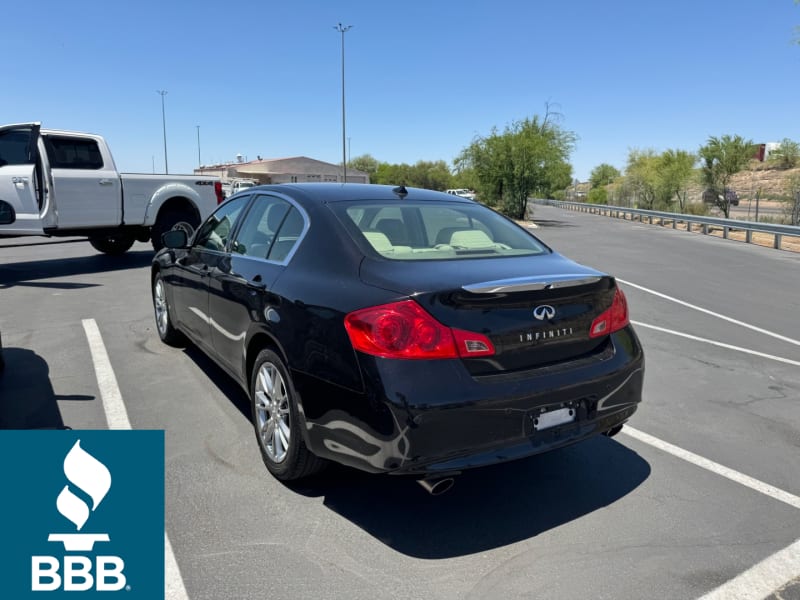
[[22, 191], [88, 191]]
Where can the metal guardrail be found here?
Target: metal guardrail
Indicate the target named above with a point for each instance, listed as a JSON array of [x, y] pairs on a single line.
[[705, 223]]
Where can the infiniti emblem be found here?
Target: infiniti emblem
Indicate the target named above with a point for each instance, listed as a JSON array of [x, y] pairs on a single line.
[[545, 311]]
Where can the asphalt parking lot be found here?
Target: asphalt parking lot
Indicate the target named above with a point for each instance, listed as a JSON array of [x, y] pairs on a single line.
[[700, 497]]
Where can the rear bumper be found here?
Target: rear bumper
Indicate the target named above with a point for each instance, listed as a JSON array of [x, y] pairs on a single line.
[[429, 417]]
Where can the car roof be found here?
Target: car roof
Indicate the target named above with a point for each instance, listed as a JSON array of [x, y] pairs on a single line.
[[340, 192]]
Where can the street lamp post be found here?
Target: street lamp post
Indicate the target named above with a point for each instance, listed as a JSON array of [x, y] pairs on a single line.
[[163, 93], [343, 29], [199, 164]]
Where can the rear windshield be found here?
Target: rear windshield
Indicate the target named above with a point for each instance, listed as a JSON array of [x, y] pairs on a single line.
[[434, 231]]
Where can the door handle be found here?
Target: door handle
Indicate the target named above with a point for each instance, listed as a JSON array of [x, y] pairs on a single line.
[[105, 182]]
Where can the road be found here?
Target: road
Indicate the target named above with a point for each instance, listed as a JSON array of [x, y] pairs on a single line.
[[648, 514], [767, 209]]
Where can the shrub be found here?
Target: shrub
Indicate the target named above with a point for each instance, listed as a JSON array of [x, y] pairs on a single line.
[[597, 196], [696, 208]]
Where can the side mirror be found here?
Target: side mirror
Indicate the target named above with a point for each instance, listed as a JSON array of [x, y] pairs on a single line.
[[7, 214], [175, 239]]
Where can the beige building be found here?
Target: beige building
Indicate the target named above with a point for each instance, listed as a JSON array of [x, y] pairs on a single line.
[[298, 169]]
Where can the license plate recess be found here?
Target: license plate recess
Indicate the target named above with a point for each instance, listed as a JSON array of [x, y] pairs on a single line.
[[553, 418]]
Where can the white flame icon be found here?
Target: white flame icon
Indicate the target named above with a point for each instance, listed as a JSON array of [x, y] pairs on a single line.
[[92, 477], [88, 474]]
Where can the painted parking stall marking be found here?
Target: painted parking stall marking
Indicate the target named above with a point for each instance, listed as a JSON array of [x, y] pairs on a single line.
[[782, 567], [117, 417], [766, 332], [695, 338]]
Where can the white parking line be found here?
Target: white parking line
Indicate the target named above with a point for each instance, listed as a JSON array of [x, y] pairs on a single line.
[[712, 313], [763, 579], [117, 417], [710, 465], [771, 573], [114, 407], [788, 361]]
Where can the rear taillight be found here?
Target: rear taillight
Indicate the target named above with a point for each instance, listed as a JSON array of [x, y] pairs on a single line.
[[218, 192], [613, 319], [405, 330]]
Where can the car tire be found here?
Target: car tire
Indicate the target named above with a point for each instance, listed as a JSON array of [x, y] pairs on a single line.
[[114, 245], [166, 330], [170, 220], [275, 417]]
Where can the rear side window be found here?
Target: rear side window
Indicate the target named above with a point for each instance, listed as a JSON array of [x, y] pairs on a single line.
[[16, 147], [270, 230], [431, 231], [73, 153]]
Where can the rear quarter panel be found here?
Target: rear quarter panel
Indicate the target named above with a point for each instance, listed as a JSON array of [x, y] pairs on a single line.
[[145, 194]]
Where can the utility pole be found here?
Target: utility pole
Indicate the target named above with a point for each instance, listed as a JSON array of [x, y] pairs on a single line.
[[199, 164], [343, 29], [163, 93]]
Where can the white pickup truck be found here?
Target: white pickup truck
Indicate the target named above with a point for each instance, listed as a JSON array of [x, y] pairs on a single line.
[[64, 183]]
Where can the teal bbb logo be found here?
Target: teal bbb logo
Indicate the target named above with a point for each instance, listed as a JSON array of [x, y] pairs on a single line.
[[88, 513]]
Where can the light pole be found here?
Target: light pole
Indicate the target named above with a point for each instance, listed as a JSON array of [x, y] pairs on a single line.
[[343, 29], [199, 164], [163, 93]]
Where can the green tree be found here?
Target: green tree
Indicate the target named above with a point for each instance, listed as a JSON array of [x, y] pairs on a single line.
[[597, 195], [657, 181], [786, 156], [721, 158], [365, 163], [603, 174], [641, 177], [530, 157], [792, 199], [676, 169], [432, 175]]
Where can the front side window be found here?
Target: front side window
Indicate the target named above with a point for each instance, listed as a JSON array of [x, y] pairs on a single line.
[[434, 230], [216, 231], [73, 153], [17, 147]]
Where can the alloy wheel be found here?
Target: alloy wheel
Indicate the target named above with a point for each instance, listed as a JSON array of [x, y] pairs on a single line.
[[160, 302], [272, 412]]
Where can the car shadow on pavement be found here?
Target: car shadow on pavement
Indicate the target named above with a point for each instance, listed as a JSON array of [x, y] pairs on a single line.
[[486, 508], [27, 399], [27, 273]]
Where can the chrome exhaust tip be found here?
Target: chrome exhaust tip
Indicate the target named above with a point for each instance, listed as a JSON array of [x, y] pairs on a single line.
[[436, 486]]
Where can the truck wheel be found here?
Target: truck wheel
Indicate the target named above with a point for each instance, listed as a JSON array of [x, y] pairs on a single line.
[[170, 220], [113, 244]]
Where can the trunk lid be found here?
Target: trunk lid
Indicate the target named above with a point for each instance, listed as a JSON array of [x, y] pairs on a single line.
[[536, 310]]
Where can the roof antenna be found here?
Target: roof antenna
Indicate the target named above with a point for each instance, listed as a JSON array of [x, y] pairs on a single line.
[[401, 191]]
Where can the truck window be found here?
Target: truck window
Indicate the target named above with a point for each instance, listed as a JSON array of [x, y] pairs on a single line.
[[73, 153], [15, 148]]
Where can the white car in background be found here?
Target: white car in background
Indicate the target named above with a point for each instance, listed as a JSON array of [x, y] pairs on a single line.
[[463, 192]]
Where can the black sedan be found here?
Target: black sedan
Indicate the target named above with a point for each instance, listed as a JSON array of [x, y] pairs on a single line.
[[398, 330]]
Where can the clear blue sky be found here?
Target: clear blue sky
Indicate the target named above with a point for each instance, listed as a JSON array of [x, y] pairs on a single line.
[[422, 78]]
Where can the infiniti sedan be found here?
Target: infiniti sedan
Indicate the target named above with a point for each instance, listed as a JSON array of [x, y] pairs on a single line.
[[398, 330]]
